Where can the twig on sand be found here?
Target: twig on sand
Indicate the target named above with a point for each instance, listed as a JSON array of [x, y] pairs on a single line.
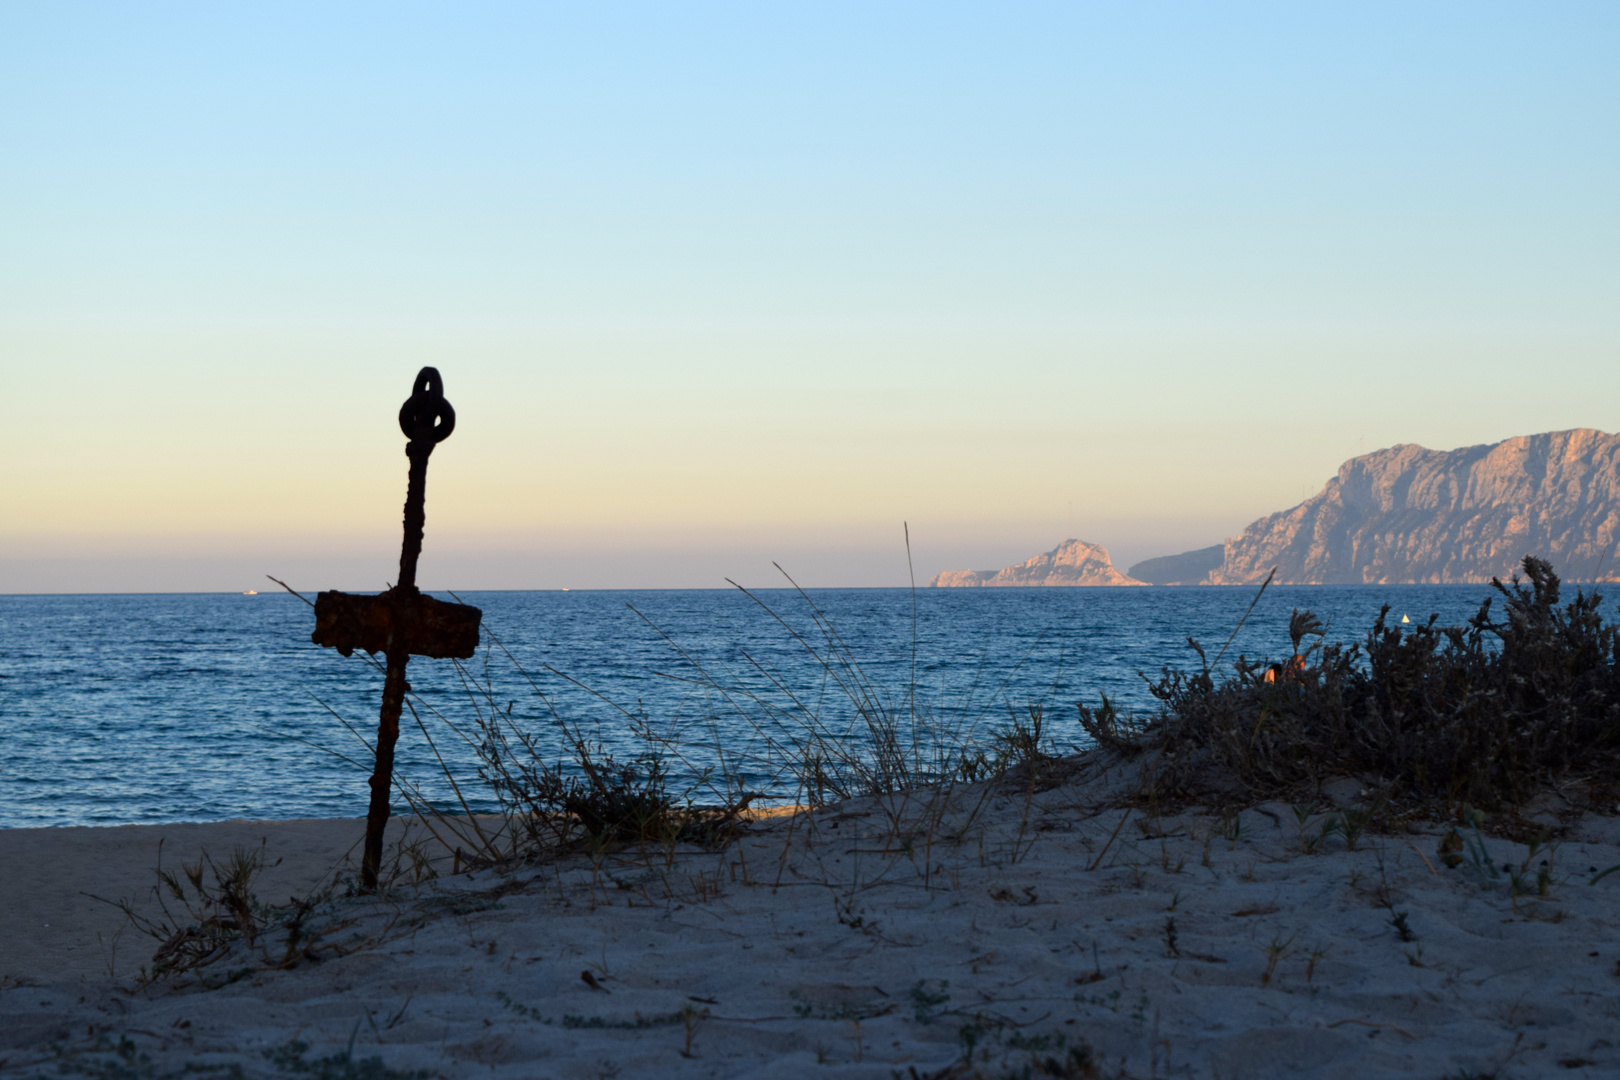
[[1098, 860], [1369, 1023], [1424, 857]]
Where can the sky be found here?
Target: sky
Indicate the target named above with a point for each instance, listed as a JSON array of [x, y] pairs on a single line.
[[717, 285]]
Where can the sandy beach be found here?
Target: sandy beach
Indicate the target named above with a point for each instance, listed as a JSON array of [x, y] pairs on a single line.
[[55, 928], [1000, 932]]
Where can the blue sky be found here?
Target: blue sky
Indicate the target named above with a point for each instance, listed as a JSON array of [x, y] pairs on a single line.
[[716, 284]]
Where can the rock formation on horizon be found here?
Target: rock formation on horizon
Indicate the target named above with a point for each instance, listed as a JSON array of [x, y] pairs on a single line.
[[1188, 568], [1073, 562], [1412, 515]]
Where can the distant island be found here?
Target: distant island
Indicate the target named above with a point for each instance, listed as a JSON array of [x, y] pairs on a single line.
[[1073, 562], [1404, 515]]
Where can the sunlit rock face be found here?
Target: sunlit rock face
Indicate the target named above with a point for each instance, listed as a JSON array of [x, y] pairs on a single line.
[[1411, 515], [1073, 562]]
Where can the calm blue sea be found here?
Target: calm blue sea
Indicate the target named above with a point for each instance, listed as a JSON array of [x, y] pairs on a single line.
[[161, 708]]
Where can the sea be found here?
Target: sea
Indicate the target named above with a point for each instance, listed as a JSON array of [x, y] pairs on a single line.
[[120, 709]]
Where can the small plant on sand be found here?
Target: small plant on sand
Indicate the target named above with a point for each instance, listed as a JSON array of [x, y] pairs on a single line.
[[290, 1058], [209, 913], [1327, 824], [1474, 850], [581, 796], [606, 801], [127, 1061], [1354, 821], [1521, 881], [926, 1003], [1231, 829], [1313, 958], [1279, 948], [1015, 1055]]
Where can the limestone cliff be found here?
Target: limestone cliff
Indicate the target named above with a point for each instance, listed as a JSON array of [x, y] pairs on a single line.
[[1073, 562], [1408, 514]]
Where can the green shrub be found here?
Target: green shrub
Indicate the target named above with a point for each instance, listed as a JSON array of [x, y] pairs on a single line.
[[1488, 713]]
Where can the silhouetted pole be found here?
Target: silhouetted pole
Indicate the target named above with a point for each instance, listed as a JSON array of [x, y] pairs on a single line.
[[401, 621], [427, 420]]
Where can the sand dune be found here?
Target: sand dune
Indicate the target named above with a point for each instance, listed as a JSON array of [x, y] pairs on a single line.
[[1017, 929]]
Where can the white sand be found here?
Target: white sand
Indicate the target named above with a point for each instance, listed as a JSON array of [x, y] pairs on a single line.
[[819, 947], [54, 930]]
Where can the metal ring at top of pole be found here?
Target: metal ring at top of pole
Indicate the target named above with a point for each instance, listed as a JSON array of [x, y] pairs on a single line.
[[426, 415]]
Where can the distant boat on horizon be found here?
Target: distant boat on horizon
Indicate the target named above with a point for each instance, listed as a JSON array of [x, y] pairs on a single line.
[[251, 592]]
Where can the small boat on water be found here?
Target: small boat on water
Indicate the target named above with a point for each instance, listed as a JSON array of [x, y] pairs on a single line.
[[251, 592]]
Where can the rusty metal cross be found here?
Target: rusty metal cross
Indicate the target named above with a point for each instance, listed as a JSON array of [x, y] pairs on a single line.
[[401, 622]]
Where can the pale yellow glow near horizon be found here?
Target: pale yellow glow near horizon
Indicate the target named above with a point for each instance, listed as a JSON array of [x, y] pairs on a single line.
[[564, 445], [711, 286]]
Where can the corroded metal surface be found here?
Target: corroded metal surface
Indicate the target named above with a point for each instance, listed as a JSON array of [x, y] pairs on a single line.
[[427, 420], [377, 624]]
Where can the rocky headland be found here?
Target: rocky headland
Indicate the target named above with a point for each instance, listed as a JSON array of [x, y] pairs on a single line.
[[1410, 515], [1073, 562], [1403, 515]]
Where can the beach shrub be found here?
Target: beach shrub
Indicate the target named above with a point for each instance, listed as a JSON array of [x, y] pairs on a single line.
[[604, 801], [591, 797], [839, 736], [1489, 713]]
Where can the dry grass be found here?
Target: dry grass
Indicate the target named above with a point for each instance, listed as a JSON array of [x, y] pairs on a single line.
[[213, 927], [803, 747]]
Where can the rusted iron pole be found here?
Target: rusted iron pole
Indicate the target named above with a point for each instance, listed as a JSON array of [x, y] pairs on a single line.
[[393, 704], [401, 622], [424, 409], [427, 420]]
